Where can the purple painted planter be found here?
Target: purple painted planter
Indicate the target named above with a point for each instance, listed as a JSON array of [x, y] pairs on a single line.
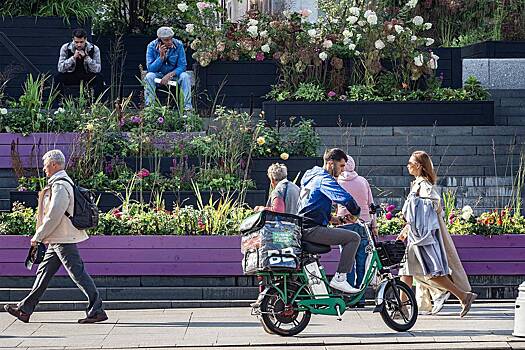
[[221, 256]]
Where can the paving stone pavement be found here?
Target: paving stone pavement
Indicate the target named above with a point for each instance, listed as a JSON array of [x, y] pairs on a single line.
[[488, 326]]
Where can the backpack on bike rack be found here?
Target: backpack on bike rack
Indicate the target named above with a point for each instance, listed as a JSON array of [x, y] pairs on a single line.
[[271, 242], [391, 252]]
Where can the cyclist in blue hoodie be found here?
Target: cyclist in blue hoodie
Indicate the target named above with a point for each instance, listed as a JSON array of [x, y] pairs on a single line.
[[319, 190]]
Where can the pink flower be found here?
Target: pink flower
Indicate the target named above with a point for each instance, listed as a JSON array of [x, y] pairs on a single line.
[[160, 120], [390, 208], [201, 5], [117, 213], [143, 173], [136, 119], [331, 93], [389, 216], [259, 56], [305, 12]]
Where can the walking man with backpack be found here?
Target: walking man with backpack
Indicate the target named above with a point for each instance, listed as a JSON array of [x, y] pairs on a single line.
[[63, 214]]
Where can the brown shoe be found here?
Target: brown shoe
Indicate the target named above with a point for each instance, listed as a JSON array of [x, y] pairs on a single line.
[[13, 310], [468, 304], [94, 319]]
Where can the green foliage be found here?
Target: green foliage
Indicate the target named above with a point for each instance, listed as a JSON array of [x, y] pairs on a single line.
[[304, 140], [310, 92], [21, 221], [81, 9]]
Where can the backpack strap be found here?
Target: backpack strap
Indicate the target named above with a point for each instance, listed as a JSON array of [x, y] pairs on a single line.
[[66, 213]]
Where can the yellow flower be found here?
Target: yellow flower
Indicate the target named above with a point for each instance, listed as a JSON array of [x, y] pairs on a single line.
[[90, 127], [285, 156], [261, 141]]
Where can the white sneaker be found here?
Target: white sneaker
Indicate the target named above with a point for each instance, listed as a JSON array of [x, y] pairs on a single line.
[[440, 302], [343, 286]]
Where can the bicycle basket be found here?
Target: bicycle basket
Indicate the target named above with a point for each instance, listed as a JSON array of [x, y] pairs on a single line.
[[391, 252]]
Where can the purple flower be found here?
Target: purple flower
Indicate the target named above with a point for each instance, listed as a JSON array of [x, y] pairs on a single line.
[[160, 120], [108, 169], [331, 93], [390, 208], [259, 56], [389, 216], [122, 122], [22, 189], [136, 119]]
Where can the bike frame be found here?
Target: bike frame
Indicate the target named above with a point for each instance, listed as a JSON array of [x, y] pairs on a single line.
[[333, 303]]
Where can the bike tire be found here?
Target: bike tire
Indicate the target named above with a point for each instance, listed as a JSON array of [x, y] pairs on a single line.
[[386, 315], [270, 327]]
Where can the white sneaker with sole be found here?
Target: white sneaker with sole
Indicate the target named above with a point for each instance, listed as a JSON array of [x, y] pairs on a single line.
[[343, 286], [440, 302]]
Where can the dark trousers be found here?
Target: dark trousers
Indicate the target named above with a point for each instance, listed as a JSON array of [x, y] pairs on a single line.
[[68, 256], [94, 80]]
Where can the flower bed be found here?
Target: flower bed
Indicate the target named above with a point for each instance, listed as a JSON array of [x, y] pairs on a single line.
[[410, 113], [221, 256]]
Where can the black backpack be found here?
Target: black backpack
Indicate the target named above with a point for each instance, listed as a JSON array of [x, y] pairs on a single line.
[[85, 211]]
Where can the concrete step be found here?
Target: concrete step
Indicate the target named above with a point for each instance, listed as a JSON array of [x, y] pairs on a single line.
[[139, 293]]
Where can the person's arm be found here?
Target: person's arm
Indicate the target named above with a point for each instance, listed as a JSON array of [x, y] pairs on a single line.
[[337, 194], [153, 63], [57, 209], [65, 63], [94, 64], [181, 60]]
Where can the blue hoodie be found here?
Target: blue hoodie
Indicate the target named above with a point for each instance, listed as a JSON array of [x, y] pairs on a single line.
[[319, 190]]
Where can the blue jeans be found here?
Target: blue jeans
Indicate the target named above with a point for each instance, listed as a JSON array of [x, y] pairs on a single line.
[[183, 80], [360, 264]]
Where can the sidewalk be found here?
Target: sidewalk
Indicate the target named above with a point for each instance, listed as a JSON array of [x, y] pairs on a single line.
[[488, 326]]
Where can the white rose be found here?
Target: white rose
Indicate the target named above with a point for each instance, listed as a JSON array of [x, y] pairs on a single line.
[[312, 32], [357, 53], [361, 23], [252, 30], [327, 44], [413, 38], [418, 60], [429, 41], [368, 13], [263, 34], [399, 29], [3, 111], [190, 28], [253, 22], [182, 7], [351, 47], [427, 25], [323, 56], [412, 3], [379, 44], [265, 48], [352, 19], [372, 19], [390, 38], [466, 212], [354, 11], [347, 33], [418, 20]]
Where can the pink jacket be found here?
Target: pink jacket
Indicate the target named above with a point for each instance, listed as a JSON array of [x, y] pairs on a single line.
[[359, 188]]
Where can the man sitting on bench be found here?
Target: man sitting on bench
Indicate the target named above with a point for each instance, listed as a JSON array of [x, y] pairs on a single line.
[[80, 62], [166, 61]]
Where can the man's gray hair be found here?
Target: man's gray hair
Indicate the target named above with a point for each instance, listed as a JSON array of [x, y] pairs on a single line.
[[277, 172], [55, 155]]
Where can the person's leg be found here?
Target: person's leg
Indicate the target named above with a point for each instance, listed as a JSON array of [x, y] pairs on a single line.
[[70, 257], [446, 283], [184, 81], [45, 272], [360, 266], [150, 87]]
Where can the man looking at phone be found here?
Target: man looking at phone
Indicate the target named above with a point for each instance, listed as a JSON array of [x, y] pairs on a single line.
[[79, 62], [319, 190], [166, 60]]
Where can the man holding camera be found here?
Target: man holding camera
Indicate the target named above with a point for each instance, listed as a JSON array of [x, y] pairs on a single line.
[[79, 62]]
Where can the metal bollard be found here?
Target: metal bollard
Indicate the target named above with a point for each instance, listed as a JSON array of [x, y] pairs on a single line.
[[519, 313]]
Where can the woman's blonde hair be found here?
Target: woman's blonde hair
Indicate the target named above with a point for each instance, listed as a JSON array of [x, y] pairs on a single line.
[[277, 172], [427, 168]]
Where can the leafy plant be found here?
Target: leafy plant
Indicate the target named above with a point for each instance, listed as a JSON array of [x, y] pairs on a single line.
[[21, 221], [310, 92]]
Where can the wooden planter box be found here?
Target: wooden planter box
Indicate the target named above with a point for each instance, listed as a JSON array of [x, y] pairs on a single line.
[[494, 49], [110, 200], [220, 255], [413, 113], [296, 168], [235, 84]]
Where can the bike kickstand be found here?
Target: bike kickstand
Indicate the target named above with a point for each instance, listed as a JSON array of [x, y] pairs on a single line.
[[339, 317]]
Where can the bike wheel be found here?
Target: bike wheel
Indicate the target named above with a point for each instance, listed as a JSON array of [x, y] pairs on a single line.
[[281, 318], [399, 315]]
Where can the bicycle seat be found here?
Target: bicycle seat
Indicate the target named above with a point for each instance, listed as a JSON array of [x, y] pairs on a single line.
[[314, 248]]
